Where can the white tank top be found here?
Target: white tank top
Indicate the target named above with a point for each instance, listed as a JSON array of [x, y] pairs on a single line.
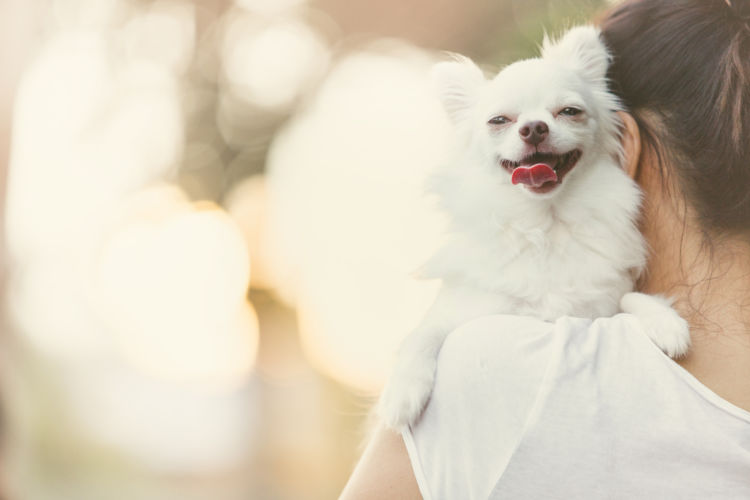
[[576, 409]]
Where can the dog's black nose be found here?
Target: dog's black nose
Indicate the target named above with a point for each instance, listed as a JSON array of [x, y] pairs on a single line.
[[534, 132]]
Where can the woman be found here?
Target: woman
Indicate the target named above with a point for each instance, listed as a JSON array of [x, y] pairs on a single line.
[[591, 409]]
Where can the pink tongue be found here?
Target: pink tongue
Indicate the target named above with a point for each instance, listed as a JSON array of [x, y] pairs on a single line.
[[534, 176]]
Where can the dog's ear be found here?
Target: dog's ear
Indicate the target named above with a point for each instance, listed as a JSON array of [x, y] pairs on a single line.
[[582, 48], [457, 83]]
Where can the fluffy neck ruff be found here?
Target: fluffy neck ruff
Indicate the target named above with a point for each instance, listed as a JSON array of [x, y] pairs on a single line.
[[583, 241]]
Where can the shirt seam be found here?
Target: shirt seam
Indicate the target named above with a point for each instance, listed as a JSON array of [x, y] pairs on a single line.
[[698, 387], [416, 463], [537, 405]]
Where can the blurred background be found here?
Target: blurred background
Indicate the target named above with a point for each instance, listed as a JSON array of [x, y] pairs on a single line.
[[213, 210]]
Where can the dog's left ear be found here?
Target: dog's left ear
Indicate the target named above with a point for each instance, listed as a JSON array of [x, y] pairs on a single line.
[[582, 48]]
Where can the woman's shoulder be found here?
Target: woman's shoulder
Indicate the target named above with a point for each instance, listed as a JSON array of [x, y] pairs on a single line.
[[517, 344], [494, 376], [491, 346], [487, 380]]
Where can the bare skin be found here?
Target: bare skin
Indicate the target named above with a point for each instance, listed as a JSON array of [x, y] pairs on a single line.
[[709, 282], [711, 288], [384, 471]]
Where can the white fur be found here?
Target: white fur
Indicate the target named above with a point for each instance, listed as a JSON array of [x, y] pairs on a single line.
[[574, 251], [662, 323]]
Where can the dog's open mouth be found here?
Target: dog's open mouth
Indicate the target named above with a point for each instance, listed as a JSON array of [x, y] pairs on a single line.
[[542, 172]]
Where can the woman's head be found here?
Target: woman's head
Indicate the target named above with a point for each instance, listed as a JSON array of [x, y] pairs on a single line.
[[682, 68]]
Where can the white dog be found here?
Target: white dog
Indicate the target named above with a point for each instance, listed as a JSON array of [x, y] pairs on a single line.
[[543, 218]]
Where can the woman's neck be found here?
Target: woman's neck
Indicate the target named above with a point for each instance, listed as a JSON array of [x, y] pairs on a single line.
[[710, 285]]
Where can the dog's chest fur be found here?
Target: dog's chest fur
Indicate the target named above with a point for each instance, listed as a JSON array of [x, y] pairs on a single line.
[[575, 257]]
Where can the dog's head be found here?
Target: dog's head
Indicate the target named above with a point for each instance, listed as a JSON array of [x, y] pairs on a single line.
[[539, 120]]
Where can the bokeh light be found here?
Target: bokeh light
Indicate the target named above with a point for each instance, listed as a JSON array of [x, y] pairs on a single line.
[[164, 34], [169, 427], [270, 63], [131, 296], [348, 218], [171, 282], [246, 203], [106, 130], [86, 15], [269, 6]]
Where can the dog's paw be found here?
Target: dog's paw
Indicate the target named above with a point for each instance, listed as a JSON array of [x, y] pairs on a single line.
[[660, 321], [406, 394]]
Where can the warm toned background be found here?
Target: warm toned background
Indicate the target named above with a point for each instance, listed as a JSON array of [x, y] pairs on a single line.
[[167, 156]]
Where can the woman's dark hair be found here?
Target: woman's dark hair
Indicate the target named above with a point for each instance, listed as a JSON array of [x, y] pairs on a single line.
[[686, 63]]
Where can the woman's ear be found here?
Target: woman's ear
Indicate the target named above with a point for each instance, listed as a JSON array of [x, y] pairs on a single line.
[[631, 144]]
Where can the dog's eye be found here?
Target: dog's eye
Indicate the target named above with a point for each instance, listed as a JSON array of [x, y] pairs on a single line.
[[570, 111], [499, 120]]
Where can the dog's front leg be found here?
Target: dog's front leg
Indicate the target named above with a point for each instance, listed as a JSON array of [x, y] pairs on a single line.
[[410, 385], [660, 322]]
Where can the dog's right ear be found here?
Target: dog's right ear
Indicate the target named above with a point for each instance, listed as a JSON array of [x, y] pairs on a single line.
[[458, 83]]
